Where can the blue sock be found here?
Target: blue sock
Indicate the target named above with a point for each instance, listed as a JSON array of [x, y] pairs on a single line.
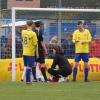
[[28, 73], [86, 70], [74, 73]]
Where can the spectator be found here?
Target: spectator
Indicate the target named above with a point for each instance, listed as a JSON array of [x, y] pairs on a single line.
[[95, 47], [53, 41], [68, 46]]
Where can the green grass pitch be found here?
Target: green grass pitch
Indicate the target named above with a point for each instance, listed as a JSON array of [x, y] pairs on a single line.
[[50, 91]]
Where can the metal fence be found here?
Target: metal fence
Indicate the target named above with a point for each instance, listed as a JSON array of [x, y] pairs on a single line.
[[50, 31]]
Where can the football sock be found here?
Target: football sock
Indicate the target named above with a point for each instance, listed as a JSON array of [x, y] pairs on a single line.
[[86, 70], [43, 70], [74, 73], [28, 73], [34, 73], [24, 72]]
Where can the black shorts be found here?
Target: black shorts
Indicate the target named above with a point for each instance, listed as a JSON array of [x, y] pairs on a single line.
[[61, 72], [41, 58], [65, 72]]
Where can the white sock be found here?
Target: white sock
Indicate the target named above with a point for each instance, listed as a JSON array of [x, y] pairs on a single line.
[[32, 77], [24, 72], [38, 71], [67, 78], [61, 79]]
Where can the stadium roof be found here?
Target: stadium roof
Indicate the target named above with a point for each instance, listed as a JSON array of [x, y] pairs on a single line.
[[71, 3]]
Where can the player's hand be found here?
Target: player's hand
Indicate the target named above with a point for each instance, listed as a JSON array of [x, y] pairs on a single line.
[[45, 52], [83, 42], [77, 41], [37, 56]]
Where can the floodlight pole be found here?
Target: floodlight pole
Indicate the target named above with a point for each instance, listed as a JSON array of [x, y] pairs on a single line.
[[13, 47], [59, 23]]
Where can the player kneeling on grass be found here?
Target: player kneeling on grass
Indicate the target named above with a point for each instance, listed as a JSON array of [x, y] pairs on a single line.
[[64, 68]]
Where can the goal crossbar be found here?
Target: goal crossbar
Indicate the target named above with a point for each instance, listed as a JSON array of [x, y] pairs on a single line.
[[57, 9]]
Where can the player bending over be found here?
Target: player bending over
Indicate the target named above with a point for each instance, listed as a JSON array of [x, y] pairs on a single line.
[[64, 68]]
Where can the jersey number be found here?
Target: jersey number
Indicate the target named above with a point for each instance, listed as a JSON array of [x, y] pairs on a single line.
[[25, 40]]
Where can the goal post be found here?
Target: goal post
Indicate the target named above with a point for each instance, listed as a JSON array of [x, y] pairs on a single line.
[[14, 9], [13, 46]]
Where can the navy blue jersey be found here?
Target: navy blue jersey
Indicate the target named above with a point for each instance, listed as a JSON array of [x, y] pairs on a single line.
[[40, 38]]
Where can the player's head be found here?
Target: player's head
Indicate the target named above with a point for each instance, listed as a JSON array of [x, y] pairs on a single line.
[[38, 24], [58, 50], [29, 23], [80, 25]]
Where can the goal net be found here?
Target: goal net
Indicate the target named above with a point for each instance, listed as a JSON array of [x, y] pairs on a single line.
[[58, 23]]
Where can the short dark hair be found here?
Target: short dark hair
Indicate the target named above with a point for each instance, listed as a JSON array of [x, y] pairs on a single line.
[[79, 22], [29, 22], [38, 23]]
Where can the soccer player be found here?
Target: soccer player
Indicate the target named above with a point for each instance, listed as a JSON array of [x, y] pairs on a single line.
[[42, 50], [64, 67], [81, 38], [30, 46]]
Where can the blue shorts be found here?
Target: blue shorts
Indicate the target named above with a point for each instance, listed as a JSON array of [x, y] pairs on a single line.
[[83, 56], [29, 61]]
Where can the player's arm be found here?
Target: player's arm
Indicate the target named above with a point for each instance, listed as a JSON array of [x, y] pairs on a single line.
[[89, 38], [35, 41], [75, 40], [37, 53], [44, 47], [43, 43], [54, 63], [22, 36]]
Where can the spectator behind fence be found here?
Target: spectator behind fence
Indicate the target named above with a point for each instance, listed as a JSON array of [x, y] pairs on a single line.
[[4, 47], [53, 41], [68, 46], [95, 47]]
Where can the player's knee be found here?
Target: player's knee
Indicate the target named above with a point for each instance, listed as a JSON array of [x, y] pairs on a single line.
[[43, 66], [28, 67], [50, 70]]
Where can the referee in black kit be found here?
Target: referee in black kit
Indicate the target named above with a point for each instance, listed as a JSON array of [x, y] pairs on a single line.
[[42, 50]]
